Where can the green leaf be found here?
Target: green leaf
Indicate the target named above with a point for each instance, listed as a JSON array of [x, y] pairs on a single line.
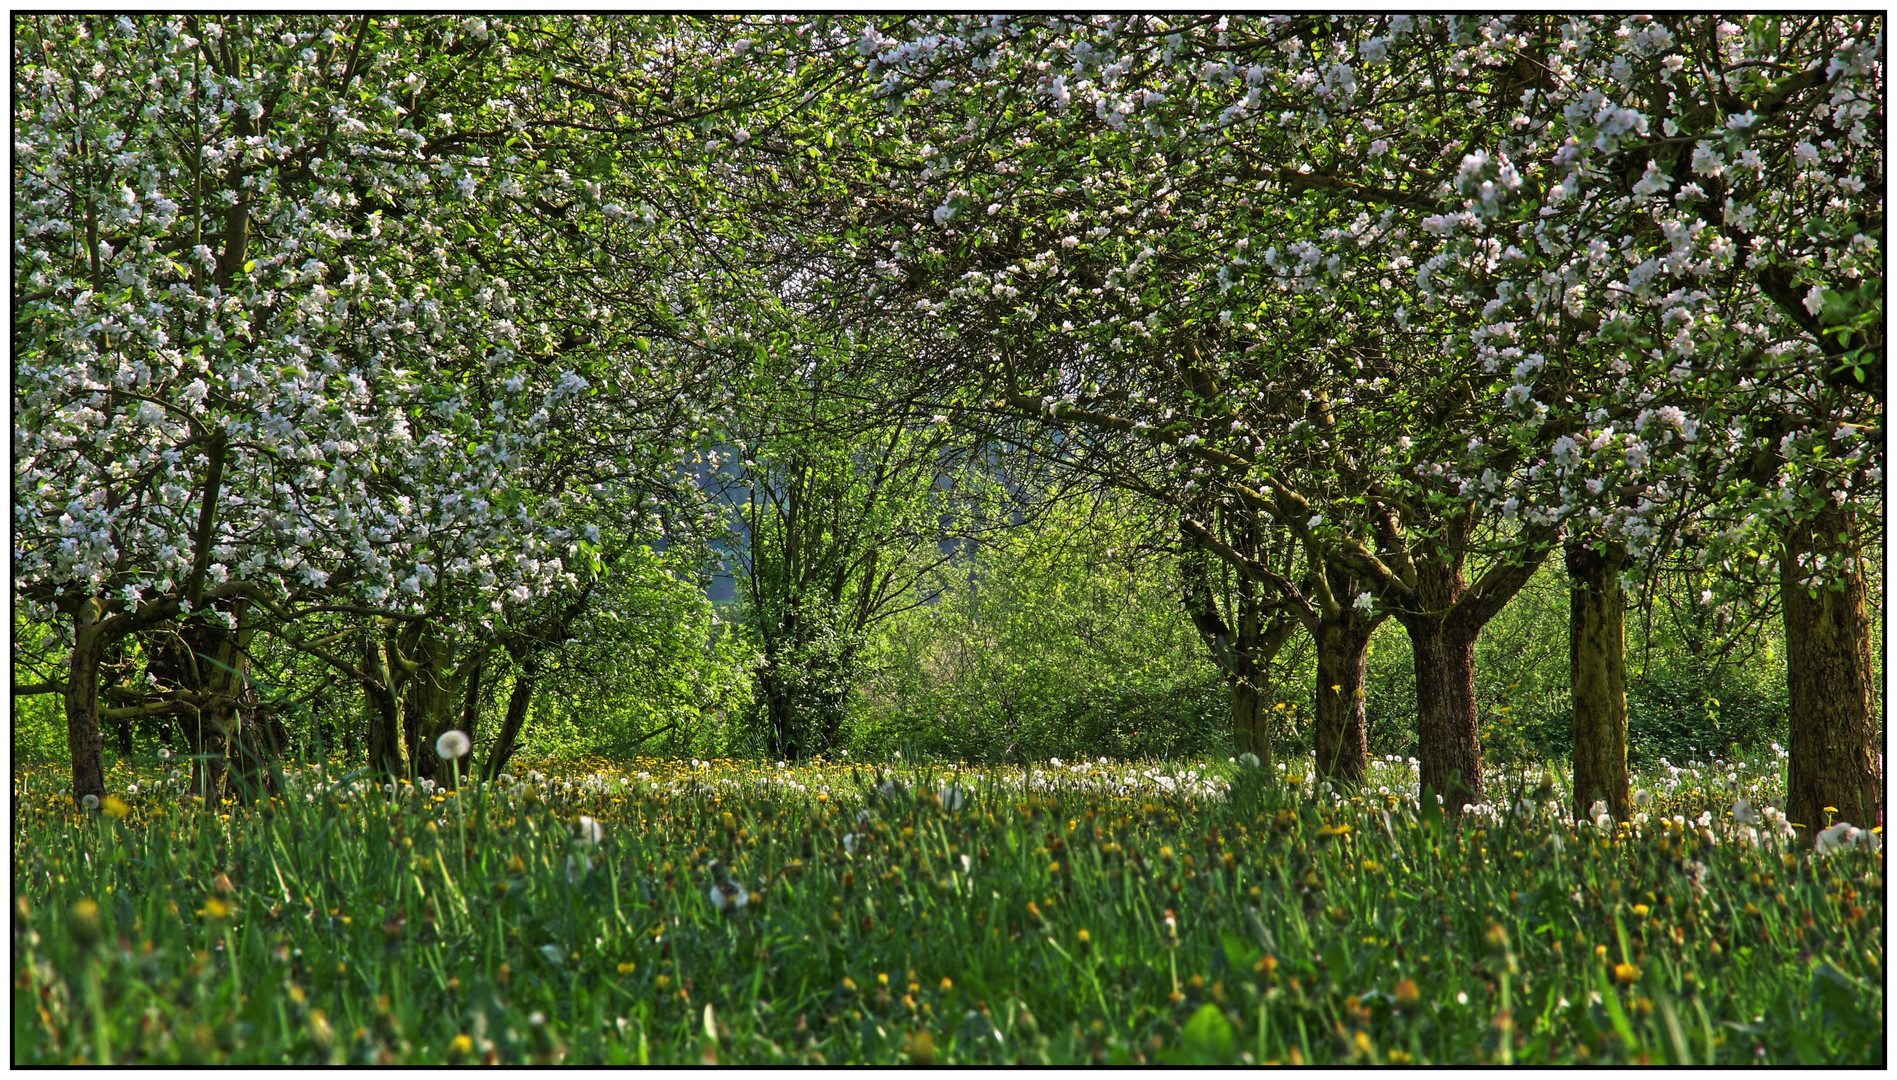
[[1238, 952], [1210, 1038]]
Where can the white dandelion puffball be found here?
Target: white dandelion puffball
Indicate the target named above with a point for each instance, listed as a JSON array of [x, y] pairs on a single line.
[[953, 797], [90, 802], [1643, 799], [849, 845], [591, 831], [1249, 760], [452, 744], [728, 896], [164, 753]]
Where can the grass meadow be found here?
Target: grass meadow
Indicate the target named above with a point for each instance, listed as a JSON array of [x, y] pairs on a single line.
[[746, 913]]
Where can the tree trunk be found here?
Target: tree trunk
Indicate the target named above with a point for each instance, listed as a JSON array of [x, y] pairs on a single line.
[[388, 742], [1340, 734], [517, 703], [388, 748], [1243, 648], [431, 703], [1828, 671], [1597, 665], [1449, 745], [1251, 716], [216, 729], [471, 704], [780, 713], [84, 742]]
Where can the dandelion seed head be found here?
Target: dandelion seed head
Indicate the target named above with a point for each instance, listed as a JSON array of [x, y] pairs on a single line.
[[452, 745]]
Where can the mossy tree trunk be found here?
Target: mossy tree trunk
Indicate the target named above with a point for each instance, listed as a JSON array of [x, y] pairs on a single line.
[[1829, 674], [1597, 667]]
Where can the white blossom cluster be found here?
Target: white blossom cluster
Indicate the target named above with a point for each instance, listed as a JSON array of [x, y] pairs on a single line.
[[1643, 261]]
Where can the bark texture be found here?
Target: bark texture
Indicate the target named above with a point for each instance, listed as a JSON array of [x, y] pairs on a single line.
[[1834, 760], [431, 707], [1340, 733], [1597, 668], [388, 738], [85, 743], [1449, 743]]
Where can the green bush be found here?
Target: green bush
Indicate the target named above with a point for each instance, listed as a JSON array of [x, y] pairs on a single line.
[[1056, 639]]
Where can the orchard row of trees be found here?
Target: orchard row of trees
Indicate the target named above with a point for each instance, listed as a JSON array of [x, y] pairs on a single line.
[[387, 341]]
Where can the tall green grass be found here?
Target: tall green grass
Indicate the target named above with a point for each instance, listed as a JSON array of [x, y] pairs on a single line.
[[1070, 914]]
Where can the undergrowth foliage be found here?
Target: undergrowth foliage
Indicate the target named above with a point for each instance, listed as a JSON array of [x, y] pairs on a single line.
[[744, 913]]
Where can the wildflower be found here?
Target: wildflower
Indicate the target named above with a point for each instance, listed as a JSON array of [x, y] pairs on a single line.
[[1597, 813], [116, 807], [1249, 760], [1625, 973], [1643, 799], [590, 831], [1407, 992], [725, 894], [460, 1046], [922, 1049], [164, 753], [85, 924], [1844, 835], [1497, 938], [90, 801], [953, 797], [453, 744]]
